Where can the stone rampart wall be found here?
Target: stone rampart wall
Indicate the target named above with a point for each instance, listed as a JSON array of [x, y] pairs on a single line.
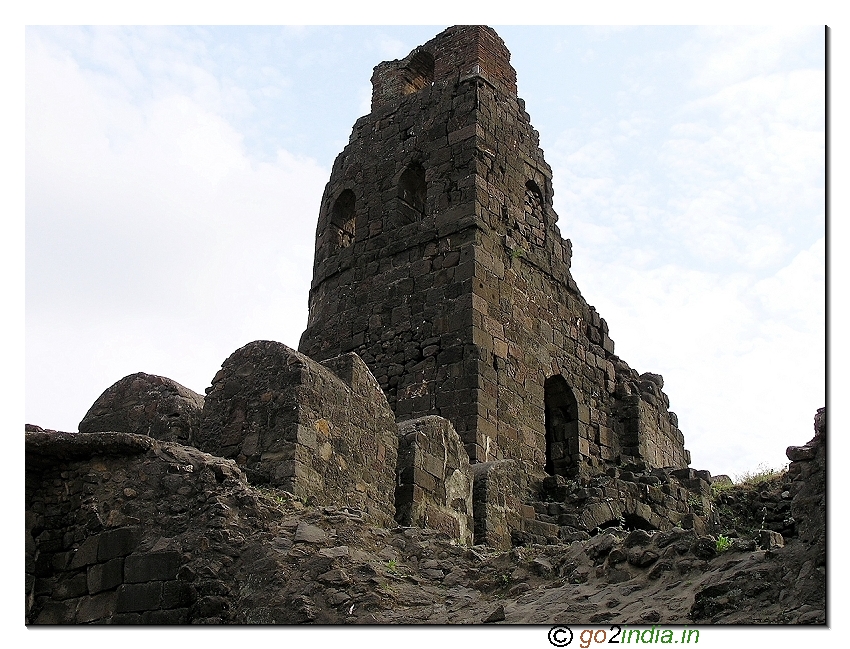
[[434, 479], [315, 430], [105, 513]]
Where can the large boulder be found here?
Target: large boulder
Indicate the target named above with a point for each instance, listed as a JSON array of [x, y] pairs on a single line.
[[147, 404]]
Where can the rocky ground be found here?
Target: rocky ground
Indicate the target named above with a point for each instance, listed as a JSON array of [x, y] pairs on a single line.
[[336, 569], [244, 554]]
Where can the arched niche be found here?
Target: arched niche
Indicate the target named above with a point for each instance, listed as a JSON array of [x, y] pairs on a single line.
[[342, 222], [534, 214], [418, 73], [412, 194], [562, 427]]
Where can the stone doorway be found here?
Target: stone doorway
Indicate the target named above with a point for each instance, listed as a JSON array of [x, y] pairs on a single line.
[[562, 452]]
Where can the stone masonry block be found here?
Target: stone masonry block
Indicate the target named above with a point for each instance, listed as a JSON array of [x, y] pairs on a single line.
[[86, 554], [98, 607], [153, 566], [139, 597], [117, 543], [434, 483], [331, 414], [105, 576], [499, 491]]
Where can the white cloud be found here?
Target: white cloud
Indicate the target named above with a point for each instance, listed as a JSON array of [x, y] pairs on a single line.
[[796, 294], [391, 48], [697, 228], [728, 54], [154, 242]]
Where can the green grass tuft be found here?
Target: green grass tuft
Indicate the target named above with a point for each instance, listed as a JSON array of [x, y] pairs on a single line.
[[762, 475]]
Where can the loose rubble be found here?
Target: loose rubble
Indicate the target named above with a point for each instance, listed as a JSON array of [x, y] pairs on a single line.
[[122, 529]]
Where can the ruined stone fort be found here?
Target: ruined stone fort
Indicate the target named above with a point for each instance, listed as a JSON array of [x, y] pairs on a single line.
[[439, 263], [451, 377]]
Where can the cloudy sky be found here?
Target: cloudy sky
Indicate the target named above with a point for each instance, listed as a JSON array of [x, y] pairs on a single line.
[[173, 179]]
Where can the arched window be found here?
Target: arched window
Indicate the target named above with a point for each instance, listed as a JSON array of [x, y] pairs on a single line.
[[562, 454], [342, 220], [534, 225], [412, 193], [418, 73]]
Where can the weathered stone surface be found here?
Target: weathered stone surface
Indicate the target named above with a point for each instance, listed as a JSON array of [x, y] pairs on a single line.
[[52, 447], [306, 533], [434, 487], [117, 543], [498, 615], [798, 453], [105, 576], [642, 557], [705, 547], [139, 597], [151, 566], [808, 490], [637, 537], [147, 405], [768, 540], [97, 554], [317, 430], [497, 495]]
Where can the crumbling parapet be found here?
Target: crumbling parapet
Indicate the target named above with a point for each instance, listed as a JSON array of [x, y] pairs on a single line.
[[102, 513], [650, 432], [320, 430], [807, 472], [631, 497], [434, 479], [459, 53], [499, 493]]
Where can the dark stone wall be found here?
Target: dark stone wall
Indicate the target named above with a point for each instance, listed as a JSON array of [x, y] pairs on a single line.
[[320, 430], [455, 54], [462, 303], [104, 517], [807, 472]]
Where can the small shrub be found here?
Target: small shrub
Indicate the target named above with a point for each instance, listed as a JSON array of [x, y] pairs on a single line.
[[723, 543], [273, 494], [718, 488], [762, 475]]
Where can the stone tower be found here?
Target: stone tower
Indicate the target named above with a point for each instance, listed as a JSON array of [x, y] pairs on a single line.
[[439, 262]]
